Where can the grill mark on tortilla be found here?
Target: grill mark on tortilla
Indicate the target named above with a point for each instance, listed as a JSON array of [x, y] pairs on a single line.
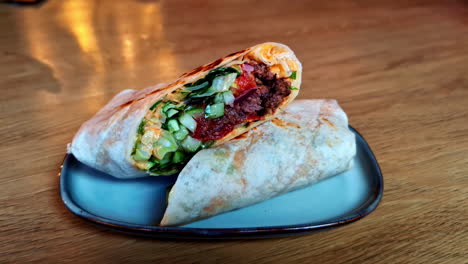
[[244, 182], [185, 75], [241, 136], [215, 204], [213, 64], [284, 123], [328, 122], [324, 111], [192, 72], [236, 53], [127, 103], [239, 159], [202, 68]]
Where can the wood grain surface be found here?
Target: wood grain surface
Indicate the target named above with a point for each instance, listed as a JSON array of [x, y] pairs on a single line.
[[398, 68]]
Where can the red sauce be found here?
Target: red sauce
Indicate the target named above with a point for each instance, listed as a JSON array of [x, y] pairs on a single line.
[[251, 102], [217, 127]]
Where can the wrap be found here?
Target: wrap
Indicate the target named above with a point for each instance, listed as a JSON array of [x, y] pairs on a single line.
[[308, 142], [132, 136]]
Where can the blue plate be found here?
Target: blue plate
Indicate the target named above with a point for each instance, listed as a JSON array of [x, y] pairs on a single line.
[[136, 206]]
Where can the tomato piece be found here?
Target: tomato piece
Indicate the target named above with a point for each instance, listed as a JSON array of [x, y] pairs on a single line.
[[244, 83]]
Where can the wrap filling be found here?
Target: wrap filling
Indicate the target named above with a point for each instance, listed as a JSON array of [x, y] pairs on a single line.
[[194, 117]]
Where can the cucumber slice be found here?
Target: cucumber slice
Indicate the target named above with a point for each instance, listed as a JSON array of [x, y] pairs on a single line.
[[190, 144], [171, 112], [148, 137], [214, 110], [164, 145], [229, 80], [142, 153], [194, 111], [159, 152], [219, 98], [150, 164], [222, 83], [167, 159], [173, 125], [224, 97], [228, 97], [168, 105], [188, 121], [218, 83], [170, 138], [181, 133], [178, 157]]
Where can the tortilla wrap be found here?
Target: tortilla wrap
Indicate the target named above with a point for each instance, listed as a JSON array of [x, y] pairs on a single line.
[[107, 140], [309, 142]]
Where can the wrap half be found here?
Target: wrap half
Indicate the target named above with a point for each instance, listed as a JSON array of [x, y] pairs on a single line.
[[308, 142], [157, 130]]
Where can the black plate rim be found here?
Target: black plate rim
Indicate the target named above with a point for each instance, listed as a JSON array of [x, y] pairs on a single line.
[[368, 206]]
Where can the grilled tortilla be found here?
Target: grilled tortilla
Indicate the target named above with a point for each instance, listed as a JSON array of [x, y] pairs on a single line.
[[309, 142], [157, 130]]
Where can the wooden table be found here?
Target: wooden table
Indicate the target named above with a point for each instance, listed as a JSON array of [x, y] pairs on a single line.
[[399, 70]]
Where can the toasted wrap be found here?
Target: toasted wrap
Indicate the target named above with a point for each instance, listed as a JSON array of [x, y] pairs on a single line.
[[309, 142], [115, 140]]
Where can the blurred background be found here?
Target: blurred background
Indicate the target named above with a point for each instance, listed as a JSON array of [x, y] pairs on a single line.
[[77, 54]]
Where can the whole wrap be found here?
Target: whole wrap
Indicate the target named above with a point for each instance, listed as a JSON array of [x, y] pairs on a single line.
[[308, 142], [105, 142]]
